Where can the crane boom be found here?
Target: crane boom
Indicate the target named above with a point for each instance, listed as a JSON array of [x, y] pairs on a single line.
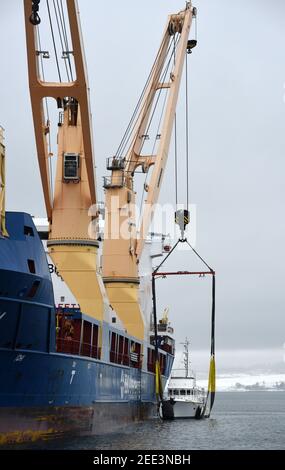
[[123, 243], [78, 89], [72, 243], [159, 161]]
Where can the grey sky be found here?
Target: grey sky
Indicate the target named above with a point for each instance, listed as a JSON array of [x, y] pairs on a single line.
[[237, 112]]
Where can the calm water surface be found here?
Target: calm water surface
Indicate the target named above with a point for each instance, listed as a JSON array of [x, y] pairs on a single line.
[[248, 420]]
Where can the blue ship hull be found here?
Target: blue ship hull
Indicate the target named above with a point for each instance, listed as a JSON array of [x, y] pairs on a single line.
[[50, 394], [46, 389]]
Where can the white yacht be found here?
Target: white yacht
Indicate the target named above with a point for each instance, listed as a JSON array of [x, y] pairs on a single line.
[[187, 400]]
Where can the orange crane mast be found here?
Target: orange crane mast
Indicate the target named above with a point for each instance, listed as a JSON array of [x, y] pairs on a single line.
[[72, 247]]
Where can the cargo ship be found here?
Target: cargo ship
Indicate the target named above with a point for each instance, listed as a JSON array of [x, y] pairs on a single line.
[[56, 373], [99, 360]]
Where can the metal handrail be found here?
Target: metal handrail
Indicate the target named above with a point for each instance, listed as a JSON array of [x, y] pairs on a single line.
[[125, 359], [113, 181], [163, 328], [71, 346]]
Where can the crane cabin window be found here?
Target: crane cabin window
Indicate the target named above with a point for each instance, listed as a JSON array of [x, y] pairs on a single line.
[[71, 167]]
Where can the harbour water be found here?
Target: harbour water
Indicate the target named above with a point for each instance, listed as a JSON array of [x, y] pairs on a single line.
[[246, 420]]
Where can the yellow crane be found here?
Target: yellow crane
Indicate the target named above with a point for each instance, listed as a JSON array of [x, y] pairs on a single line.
[[123, 248], [72, 247]]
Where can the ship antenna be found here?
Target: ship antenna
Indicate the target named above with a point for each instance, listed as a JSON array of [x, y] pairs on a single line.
[[186, 356]]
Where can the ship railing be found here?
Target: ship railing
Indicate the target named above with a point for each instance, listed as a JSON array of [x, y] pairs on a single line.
[[119, 358], [181, 373], [163, 328], [116, 181], [131, 360], [71, 346], [169, 348]]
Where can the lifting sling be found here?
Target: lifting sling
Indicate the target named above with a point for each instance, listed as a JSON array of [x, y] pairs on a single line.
[[206, 411]]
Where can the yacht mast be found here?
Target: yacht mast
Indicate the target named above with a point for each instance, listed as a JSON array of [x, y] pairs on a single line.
[[186, 356]]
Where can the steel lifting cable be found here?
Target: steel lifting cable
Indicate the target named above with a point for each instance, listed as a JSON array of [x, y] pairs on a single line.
[[162, 111], [163, 75], [176, 161], [129, 127], [162, 78], [63, 23], [127, 133], [186, 142], [160, 119], [187, 131], [60, 33], [150, 120], [175, 150], [53, 40]]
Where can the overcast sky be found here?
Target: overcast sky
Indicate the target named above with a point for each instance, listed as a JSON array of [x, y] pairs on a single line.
[[237, 142]]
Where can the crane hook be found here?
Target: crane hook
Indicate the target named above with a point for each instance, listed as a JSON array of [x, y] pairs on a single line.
[[182, 219], [35, 18]]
